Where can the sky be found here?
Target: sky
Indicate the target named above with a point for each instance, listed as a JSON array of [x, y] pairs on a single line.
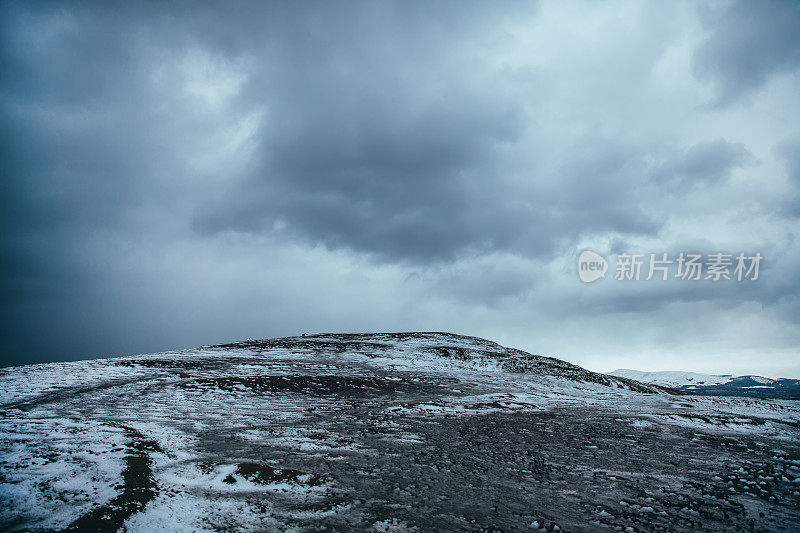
[[179, 174]]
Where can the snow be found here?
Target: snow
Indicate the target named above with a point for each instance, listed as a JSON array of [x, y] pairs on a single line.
[[64, 427], [77, 463]]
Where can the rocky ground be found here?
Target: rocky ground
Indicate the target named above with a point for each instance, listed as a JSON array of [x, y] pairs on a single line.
[[383, 432]]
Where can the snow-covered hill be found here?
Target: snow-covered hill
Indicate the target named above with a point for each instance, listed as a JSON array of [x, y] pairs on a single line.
[[382, 432]]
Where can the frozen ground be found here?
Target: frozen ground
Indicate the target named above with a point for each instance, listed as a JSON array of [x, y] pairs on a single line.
[[383, 432]]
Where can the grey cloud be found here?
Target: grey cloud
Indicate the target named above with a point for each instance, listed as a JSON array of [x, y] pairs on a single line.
[[374, 147], [401, 166], [432, 190], [749, 42], [597, 190], [706, 163], [489, 282], [789, 150], [374, 176]]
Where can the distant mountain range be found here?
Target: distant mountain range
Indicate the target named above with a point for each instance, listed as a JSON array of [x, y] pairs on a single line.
[[717, 385]]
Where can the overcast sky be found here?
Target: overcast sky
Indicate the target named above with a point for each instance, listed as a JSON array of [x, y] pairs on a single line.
[[183, 174]]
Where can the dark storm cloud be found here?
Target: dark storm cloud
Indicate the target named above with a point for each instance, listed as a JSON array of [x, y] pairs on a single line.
[[748, 43], [382, 170], [434, 193], [398, 150], [177, 173]]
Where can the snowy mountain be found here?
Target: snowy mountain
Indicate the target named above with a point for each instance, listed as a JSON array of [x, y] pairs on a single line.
[[717, 385], [672, 379], [383, 432]]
